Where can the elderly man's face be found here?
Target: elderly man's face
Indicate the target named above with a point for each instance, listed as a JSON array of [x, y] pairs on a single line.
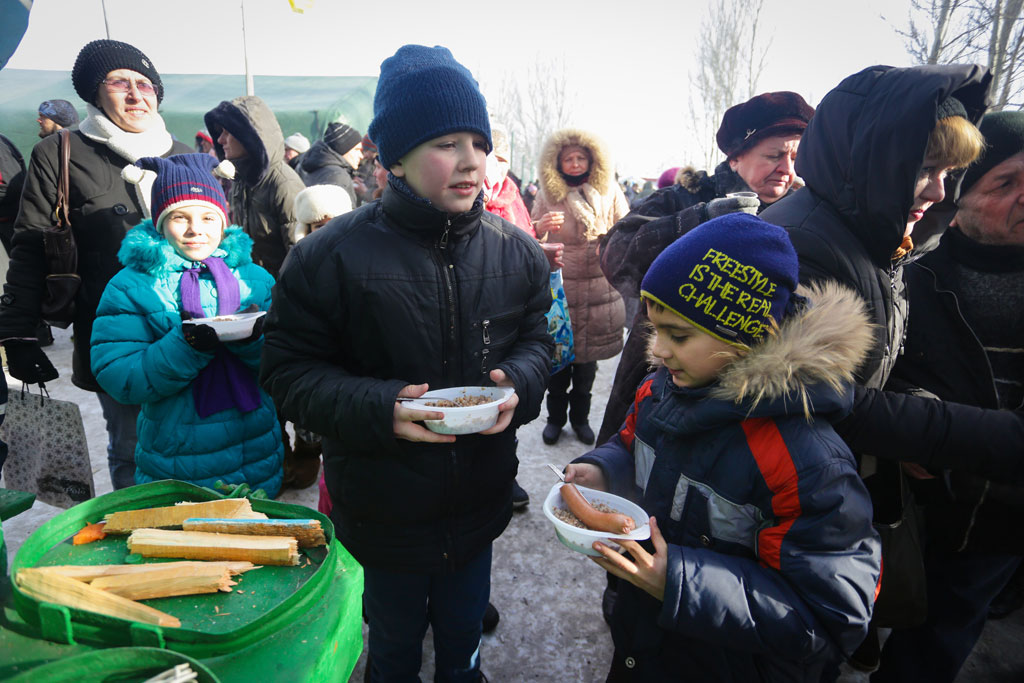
[[992, 211]]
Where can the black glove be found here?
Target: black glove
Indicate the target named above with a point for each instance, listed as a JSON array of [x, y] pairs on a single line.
[[200, 337], [723, 205], [28, 363], [257, 330]]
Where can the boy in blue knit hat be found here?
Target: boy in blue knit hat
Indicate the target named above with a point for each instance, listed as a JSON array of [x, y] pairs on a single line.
[[763, 563], [420, 289]]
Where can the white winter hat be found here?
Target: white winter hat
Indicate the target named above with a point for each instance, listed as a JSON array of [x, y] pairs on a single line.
[[318, 202], [298, 142]]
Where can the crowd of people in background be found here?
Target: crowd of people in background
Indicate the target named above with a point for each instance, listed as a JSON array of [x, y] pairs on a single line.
[[818, 340]]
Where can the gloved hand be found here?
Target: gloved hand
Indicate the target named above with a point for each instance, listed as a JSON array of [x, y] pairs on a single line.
[[28, 363], [257, 331], [200, 337], [723, 205]]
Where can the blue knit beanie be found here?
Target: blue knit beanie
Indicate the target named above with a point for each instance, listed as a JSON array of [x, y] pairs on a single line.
[[733, 277], [183, 180], [424, 93]]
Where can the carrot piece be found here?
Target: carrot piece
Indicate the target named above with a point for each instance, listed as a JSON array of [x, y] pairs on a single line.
[[90, 533]]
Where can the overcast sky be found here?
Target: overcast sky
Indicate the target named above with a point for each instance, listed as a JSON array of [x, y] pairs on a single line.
[[628, 61]]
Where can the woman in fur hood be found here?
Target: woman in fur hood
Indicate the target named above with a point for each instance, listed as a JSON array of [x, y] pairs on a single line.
[[579, 201]]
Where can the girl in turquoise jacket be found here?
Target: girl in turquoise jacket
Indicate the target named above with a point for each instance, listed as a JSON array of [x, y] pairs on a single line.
[[204, 417]]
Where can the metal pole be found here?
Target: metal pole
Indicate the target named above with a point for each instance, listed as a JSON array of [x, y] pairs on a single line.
[[249, 89], [106, 25]]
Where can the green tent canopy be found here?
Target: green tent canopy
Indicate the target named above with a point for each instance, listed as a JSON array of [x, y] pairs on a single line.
[[302, 104]]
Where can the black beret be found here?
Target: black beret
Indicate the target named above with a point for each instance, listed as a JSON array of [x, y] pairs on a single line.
[[100, 57], [767, 114]]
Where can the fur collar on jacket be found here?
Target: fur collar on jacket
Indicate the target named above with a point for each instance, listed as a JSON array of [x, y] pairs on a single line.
[[821, 346], [553, 185], [145, 250]]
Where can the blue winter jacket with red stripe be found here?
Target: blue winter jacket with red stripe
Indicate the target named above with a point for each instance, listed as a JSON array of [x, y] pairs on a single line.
[[772, 560]]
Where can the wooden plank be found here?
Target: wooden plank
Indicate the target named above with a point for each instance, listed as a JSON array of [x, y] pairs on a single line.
[[173, 515], [61, 590], [306, 531], [88, 573], [199, 545], [164, 583]]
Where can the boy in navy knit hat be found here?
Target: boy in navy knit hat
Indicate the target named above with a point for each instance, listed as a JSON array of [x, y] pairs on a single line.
[[420, 290], [763, 563]]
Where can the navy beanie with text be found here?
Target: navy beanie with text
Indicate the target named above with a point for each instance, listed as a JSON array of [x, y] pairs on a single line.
[[732, 277]]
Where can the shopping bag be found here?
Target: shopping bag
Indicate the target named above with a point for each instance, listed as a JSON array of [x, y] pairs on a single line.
[[47, 453], [903, 599], [559, 326]]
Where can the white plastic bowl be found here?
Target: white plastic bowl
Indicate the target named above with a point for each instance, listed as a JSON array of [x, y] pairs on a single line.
[[582, 540], [231, 327], [468, 420]]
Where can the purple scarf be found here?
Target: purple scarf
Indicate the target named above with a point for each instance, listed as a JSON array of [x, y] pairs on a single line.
[[226, 382]]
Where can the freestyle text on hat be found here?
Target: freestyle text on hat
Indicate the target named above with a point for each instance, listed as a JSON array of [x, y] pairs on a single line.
[[341, 137], [1004, 138], [732, 277], [182, 180], [762, 116], [100, 57], [61, 112], [423, 93]]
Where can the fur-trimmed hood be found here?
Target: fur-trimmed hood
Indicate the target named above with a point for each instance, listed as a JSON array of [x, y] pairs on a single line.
[[552, 184], [145, 250], [808, 364]]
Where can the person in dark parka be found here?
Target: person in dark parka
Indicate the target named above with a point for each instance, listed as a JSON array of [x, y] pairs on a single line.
[[334, 159], [122, 91], [760, 161], [965, 344]]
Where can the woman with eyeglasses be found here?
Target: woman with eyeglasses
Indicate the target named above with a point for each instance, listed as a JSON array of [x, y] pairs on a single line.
[[122, 91]]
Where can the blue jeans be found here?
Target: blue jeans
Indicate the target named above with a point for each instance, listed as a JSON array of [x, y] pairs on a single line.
[[121, 439], [960, 588], [399, 607]]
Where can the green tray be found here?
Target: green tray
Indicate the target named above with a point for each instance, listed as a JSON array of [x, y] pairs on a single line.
[[313, 609], [116, 665]]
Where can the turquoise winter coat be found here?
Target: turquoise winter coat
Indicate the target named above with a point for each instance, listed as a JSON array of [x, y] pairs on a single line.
[[139, 355]]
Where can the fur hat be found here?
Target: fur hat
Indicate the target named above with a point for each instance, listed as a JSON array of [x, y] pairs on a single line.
[[502, 143], [767, 114], [100, 57], [183, 180], [298, 142], [423, 93], [341, 137], [1004, 138], [318, 202], [732, 277], [61, 112]]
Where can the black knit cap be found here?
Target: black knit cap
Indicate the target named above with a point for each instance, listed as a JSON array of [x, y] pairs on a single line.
[[341, 137], [1004, 138], [100, 57], [767, 114]]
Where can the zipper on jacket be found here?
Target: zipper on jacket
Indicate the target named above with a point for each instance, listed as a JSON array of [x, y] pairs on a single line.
[[449, 286]]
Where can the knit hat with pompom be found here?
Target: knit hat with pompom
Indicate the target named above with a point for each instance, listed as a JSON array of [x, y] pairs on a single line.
[[183, 180]]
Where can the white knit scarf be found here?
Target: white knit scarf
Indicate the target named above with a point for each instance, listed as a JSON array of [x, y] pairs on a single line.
[[131, 146]]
